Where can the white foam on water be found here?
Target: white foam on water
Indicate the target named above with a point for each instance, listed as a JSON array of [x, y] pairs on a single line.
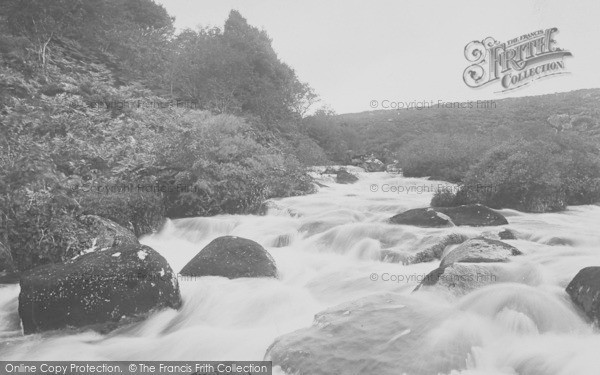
[[526, 327]]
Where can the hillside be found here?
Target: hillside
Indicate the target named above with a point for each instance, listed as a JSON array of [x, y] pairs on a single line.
[[105, 110], [538, 153], [384, 132]]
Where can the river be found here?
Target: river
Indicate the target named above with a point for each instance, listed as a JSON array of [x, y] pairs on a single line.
[[327, 247]]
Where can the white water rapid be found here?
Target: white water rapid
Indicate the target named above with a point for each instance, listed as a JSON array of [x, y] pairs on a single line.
[[327, 246]]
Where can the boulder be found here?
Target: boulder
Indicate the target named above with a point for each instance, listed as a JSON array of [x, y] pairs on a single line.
[[372, 164], [559, 241], [357, 160], [584, 290], [507, 234], [345, 177], [434, 249], [271, 206], [99, 287], [480, 250], [478, 262], [461, 278], [382, 334], [101, 234], [231, 257], [422, 217], [473, 215]]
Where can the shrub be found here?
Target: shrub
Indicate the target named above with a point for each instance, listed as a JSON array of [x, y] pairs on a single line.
[[536, 176], [140, 212], [441, 157]]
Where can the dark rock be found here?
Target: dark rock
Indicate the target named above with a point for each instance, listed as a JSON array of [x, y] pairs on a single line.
[[98, 287], [475, 263], [372, 164], [345, 177], [100, 234], [357, 160], [559, 241], [422, 217], [474, 215], [584, 290], [462, 278], [435, 249], [231, 257], [480, 250], [507, 234], [368, 162], [272, 206]]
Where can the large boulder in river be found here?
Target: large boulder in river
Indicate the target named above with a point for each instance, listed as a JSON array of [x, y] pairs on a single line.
[[462, 278], [459, 273], [345, 177], [434, 248], [473, 215], [422, 217], [480, 250], [381, 334], [584, 290], [371, 164], [231, 257], [99, 233], [99, 287], [507, 234]]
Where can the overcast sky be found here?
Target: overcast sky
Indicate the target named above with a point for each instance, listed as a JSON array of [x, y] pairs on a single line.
[[353, 52]]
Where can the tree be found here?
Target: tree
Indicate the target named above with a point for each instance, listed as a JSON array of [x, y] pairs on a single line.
[[43, 21]]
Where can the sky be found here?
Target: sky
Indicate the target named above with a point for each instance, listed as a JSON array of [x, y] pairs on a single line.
[[356, 52]]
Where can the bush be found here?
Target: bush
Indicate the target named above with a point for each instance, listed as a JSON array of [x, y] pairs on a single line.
[[442, 157], [536, 176], [139, 212], [50, 159]]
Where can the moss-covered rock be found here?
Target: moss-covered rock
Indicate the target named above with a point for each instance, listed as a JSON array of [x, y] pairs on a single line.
[[231, 257], [98, 287]]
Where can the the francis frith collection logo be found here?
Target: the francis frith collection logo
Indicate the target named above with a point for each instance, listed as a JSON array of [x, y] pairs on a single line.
[[514, 63]]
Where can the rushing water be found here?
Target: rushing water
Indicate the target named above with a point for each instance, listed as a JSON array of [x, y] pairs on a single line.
[[326, 246]]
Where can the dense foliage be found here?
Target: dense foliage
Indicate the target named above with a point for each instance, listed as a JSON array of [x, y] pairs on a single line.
[[536, 176], [104, 110], [533, 154]]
